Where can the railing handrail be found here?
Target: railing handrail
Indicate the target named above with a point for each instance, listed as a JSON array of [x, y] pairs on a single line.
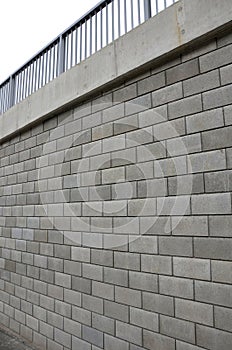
[[57, 56]]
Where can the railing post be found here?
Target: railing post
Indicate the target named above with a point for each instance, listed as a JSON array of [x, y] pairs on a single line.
[[12, 92], [147, 9], [61, 55]]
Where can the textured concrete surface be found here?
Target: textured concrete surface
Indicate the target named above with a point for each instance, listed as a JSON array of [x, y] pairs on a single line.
[[9, 342], [177, 26]]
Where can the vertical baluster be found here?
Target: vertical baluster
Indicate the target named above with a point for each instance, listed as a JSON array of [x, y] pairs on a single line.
[[86, 38], [125, 16], [91, 36], [96, 33], [139, 12], [113, 20], [119, 18], [147, 9], [132, 15], [107, 24]]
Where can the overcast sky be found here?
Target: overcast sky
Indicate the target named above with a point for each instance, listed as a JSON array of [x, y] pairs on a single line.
[[26, 26]]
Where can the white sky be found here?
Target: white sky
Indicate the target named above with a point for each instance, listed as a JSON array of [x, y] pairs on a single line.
[[26, 26]]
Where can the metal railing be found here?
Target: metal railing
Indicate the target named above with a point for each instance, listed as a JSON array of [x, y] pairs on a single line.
[[103, 24]]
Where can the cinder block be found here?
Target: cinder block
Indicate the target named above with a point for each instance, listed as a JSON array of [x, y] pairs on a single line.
[[92, 272], [126, 124], [220, 226], [139, 137], [194, 312], [182, 71], [80, 254], [93, 336], [205, 120], [152, 188], [180, 246], [102, 131], [203, 82], [144, 319], [77, 343], [130, 261], [114, 113], [151, 83], [103, 290], [213, 248], [158, 341], [207, 161], [222, 271], [216, 139], [116, 311], [213, 338], [143, 244], [139, 171], [142, 207], [82, 285], [156, 264], [167, 94], [213, 293], [128, 296], [143, 281], [123, 157], [223, 318], [178, 329], [104, 324], [114, 143], [129, 333], [63, 280], [153, 116], [170, 167], [216, 59], [192, 268], [116, 276], [179, 287], [186, 106], [100, 257], [179, 205], [81, 315], [113, 175], [218, 181], [211, 204], [186, 184], [138, 104], [217, 97], [156, 150], [112, 343]]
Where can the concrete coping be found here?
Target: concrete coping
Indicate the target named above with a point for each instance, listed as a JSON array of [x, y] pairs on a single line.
[[180, 25]]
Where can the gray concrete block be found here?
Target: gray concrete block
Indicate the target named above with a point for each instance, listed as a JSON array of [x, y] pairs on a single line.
[[177, 329], [179, 287], [130, 261], [143, 244], [153, 116], [205, 120], [222, 271], [93, 336], [213, 338], [216, 139], [218, 181], [207, 161], [104, 324], [211, 204], [129, 333], [194, 312], [144, 319], [213, 248], [128, 296], [192, 268], [223, 318], [216, 59], [151, 83], [116, 311], [138, 104], [156, 264], [116, 276], [220, 226], [143, 281], [158, 341], [201, 83], [180, 246], [213, 293], [103, 290], [112, 343], [217, 97], [186, 184], [182, 71], [82, 285], [186, 106], [167, 94]]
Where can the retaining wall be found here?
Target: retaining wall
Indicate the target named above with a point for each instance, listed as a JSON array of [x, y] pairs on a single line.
[[116, 226]]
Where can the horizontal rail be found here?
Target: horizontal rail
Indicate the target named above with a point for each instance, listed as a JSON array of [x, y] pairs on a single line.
[[104, 23]]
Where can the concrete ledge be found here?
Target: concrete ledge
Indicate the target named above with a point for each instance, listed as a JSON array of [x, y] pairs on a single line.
[[178, 26]]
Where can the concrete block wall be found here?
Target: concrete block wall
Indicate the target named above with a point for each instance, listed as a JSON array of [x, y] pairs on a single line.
[[116, 226]]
